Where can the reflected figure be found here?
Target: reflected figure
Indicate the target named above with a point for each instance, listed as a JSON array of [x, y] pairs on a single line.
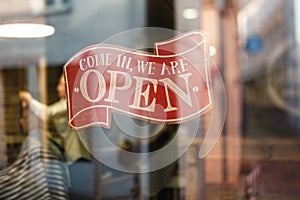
[[77, 156], [57, 113], [39, 172]]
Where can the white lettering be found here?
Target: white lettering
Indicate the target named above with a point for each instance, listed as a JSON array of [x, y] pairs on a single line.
[[101, 85], [125, 63], [142, 67], [90, 61], [174, 65], [113, 85], [95, 61], [82, 64], [182, 65], [139, 93], [164, 68], [186, 97]]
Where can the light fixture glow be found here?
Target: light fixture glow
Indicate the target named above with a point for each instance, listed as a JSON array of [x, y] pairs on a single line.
[[26, 30], [212, 50], [190, 13]]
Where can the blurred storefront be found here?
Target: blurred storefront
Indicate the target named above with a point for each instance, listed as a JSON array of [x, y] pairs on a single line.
[[253, 50]]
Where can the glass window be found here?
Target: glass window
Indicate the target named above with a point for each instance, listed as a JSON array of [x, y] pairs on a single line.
[[149, 99]]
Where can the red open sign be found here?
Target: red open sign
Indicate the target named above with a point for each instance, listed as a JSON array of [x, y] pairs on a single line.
[[169, 86]]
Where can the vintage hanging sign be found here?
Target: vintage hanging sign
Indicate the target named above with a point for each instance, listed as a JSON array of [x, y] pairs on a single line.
[[168, 86]]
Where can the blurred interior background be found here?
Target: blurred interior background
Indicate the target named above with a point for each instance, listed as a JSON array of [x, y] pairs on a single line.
[[255, 45]]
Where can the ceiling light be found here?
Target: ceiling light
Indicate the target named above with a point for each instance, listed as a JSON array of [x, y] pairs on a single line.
[[26, 30], [190, 13], [212, 50]]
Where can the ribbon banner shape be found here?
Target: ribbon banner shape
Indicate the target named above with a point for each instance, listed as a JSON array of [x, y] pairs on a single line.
[[168, 86]]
